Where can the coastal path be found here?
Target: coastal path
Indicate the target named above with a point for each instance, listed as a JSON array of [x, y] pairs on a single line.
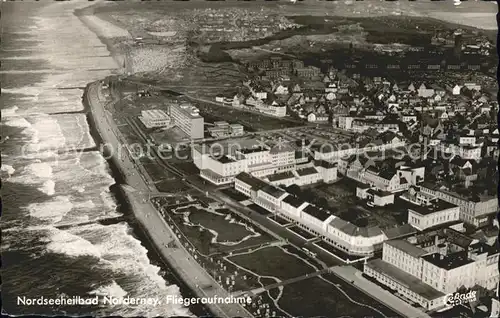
[[138, 193], [260, 290]]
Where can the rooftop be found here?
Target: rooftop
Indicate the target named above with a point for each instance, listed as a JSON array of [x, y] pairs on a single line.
[[224, 159], [281, 147], [252, 150], [273, 191], [319, 214], [281, 176], [450, 261], [294, 201], [407, 247], [187, 109], [300, 154], [436, 205], [154, 113], [409, 281], [255, 183], [325, 164], [353, 230], [306, 171], [379, 193]]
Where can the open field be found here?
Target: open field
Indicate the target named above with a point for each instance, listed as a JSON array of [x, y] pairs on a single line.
[[278, 262], [219, 221], [171, 200], [164, 180], [470, 12]]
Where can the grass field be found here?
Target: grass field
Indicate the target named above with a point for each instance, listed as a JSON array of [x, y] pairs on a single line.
[[315, 297], [197, 232], [227, 230], [278, 263]]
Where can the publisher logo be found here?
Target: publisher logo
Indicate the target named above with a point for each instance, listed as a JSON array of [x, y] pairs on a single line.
[[456, 299]]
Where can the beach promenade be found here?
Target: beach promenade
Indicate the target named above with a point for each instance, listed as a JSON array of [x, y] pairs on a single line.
[[355, 278], [137, 190]]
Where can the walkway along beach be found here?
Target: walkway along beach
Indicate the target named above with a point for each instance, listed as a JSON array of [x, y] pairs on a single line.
[[136, 192]]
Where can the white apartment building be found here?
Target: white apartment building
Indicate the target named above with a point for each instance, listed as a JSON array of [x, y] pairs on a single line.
[[274, 109], [155, 118], [426, 267], [320, 171], [466, 151], [270, 197], [353, 240], [437, 212], [377, 197], [188, 119], [385, 180], [471, 212], [224, 129], [337, 232], [258, 160]]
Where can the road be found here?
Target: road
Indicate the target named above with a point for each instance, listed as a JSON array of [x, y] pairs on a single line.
[[137, 190]]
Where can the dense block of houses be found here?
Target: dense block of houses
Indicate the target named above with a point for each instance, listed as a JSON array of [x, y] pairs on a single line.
[[359, 124], [425, 210], [473, 210], [335, 152]]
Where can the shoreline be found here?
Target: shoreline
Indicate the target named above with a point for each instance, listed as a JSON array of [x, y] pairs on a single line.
[[189, 275], [123, 204], [138, 231]]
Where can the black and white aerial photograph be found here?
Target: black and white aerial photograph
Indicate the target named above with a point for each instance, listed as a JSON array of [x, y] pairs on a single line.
[[249, 158]]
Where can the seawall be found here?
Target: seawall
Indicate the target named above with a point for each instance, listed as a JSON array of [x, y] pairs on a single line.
[[124, 206]]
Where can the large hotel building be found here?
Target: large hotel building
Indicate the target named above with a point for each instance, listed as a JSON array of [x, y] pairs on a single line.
[[424, 268], [188, 119]]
